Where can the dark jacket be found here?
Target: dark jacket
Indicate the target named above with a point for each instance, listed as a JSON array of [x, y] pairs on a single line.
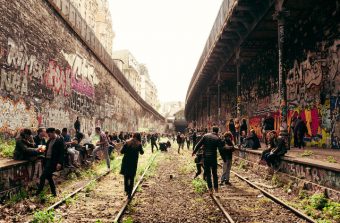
[[232, 128], [268, 123], [153, 139], [180, 139], [58, 151], [244, 128], [281, 148], [77, 125], [211, 143], [23, 150], [131, 151], [39, 141], [227, 150], [194, 137], [255, 140], [300, 128]]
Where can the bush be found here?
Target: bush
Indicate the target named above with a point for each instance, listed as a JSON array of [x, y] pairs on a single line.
[[7, 148], [318, 201], [200, 186], [44, 216], [21, 195], [332, 210]]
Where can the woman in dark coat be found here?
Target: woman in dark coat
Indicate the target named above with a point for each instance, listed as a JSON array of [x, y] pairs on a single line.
[[131, 151], [232, 129], [244, 127]]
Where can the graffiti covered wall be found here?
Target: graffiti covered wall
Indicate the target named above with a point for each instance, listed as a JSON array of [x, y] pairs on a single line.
[[313, 81], [48, 77]]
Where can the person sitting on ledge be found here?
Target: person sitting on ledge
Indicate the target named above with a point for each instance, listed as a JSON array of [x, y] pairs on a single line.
[[276, 149], [24, 146], [252, 141], [39, 139]]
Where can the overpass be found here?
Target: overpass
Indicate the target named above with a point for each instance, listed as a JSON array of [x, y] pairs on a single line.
[[276, 56], [54, 69]]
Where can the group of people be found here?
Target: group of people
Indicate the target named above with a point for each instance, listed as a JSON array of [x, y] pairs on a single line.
[[206, 156], [241, 136], [298, 130], [57, 150], [209, 143]]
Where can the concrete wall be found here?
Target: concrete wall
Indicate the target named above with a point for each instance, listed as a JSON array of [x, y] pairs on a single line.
[[16, 174], [313, 176], [49, 76]]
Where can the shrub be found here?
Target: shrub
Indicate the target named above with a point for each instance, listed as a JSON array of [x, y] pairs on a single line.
[[318, 201], [44, 216], [7, 148], [200, 186]]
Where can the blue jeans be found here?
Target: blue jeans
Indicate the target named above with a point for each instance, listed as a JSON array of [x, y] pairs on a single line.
[[226, 170]]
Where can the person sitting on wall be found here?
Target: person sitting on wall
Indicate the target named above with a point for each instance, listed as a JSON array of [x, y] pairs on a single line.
[[72, 154], [252, 141], [24, 146], [272, 142], [39, 139], [243, 136], [88, 143], [81, 152], [277, 150]]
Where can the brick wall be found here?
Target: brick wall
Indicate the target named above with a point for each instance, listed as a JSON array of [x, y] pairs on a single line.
[[52, 72]]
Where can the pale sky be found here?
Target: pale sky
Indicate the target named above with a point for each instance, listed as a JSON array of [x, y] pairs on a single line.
[[167, 35]]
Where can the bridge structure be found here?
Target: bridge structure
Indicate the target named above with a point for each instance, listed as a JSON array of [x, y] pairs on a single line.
[[272, 56]]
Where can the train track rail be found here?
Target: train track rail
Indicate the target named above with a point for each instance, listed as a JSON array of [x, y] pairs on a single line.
[[126, 203], [276, 199], [59, 203], [231, 218]]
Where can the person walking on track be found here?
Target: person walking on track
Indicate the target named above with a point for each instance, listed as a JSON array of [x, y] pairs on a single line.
[[53, 160], [102, 145], [180, 141], [226, 154], [211, 143], [153, 140], [131, 151]]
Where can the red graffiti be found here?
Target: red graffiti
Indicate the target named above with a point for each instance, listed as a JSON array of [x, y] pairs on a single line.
[[58, 79]]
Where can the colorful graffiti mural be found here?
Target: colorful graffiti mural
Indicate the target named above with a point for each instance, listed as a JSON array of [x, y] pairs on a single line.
[[312, 87]]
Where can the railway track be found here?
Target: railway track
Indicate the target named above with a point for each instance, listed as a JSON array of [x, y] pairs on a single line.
[[254, 204], [126, 203], [57, 205]]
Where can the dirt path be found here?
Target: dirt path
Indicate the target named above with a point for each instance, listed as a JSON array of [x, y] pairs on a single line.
[[163, 199]]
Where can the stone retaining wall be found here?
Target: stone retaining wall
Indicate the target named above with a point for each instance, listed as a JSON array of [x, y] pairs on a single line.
[[312, 176]]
